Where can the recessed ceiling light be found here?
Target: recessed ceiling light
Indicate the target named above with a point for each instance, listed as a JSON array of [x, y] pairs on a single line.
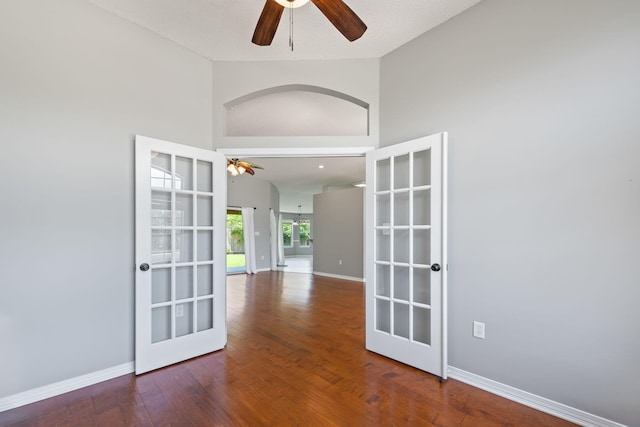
[[321, 167]]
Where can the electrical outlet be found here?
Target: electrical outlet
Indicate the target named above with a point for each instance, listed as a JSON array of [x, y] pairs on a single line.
[[262, 257], [179, 310], [340, 261], [478, 329]]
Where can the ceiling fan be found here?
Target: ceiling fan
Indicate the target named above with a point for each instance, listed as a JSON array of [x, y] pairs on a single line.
[[238, 167], [336, 11]]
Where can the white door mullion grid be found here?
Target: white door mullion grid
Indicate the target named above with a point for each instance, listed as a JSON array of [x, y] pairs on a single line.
[[436, 237], [392, 256], [194, 222], [411, 237], [153, 351], [174, 240], [421, 338]]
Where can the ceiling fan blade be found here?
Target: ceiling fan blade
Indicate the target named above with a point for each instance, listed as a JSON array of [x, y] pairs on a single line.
[[342, 17], [250, 165], [267, 23]]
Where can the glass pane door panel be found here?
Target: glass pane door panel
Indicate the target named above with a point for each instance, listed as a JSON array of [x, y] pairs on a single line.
[[383, 245], [184, 282], [422, 285], [401, 208], [383, 209], [401, 320], [422, 207], [422, 168], [184, 210], [160, 285], [401, 246], [205, 211], [184, 319], [383, 315], [383, 175], [401, 172], [205, 170], [160, 170], [184, 173], [205, 245], [160, 246], [160, 208], [383, 280], [205, 314], [401, 283], [184, 246], [422, 247], [161, 323], [205, 280], [422, 325]]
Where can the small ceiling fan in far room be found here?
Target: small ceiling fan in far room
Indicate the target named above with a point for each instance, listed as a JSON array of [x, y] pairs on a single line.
[[336, 11], [238, 167]]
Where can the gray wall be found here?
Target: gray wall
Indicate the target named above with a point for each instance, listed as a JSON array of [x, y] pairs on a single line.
[[76, 85], [249, 191], [338, 232], [541, 100]]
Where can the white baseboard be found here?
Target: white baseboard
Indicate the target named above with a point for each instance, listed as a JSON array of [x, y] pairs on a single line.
[[65, 386], [559, 410], [338, 276]]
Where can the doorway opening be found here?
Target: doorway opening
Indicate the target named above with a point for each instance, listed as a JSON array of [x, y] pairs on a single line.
[[236, 261], [302, 259], [296, 238]]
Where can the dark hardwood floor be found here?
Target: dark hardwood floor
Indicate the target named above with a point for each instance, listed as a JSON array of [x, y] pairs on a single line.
[[295, 356]]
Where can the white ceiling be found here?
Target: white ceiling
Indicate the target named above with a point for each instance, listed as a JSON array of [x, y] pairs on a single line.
[[298, 179], [222, 29]]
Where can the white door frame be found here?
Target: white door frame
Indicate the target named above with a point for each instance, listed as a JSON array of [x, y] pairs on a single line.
[[296, 152]]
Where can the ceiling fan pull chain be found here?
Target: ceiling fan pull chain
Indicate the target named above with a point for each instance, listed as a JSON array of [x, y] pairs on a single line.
[[291, 26]]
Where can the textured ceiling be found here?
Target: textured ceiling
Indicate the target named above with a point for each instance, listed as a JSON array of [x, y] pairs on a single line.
[[222, 29]]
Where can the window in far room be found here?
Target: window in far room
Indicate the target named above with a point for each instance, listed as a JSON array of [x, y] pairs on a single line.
[[287, 228], [305, 233]]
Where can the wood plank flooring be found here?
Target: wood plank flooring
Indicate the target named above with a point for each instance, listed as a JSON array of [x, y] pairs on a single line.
[[295, 356]]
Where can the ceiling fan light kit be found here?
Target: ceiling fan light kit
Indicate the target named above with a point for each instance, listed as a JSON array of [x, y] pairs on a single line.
[[238, 167], [336, 11], [292, 3], [299, 220]]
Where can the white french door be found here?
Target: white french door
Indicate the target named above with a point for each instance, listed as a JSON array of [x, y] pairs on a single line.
[[180, 253], [406, 253]]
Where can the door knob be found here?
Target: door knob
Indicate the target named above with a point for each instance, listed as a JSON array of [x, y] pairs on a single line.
[[435, 267], [145, 266]]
